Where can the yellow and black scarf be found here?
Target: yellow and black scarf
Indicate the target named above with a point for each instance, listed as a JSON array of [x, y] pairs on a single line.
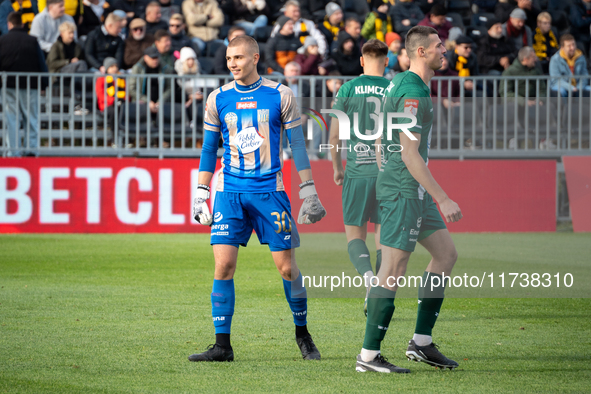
[[334, 30], [379, 28], [540, 44], [111, 87], [26, 8], [461, 66]]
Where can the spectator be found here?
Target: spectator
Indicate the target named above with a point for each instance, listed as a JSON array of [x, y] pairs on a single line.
[[377, 24], [292, 72], [20, 52], [153, 18], [282, 48], [545, 42], [566, 63], [204, 18], [149, 65], [104, 42], [248, 14], [136, 43], [163, 44], [347, 55], [394, 43], [92, 16], [168, 9], [220, 64], [46, 24], [127, 6], [503, 9], [178, 38], [464, 61], [437, 20], [427, 5], [523, 66], [441, 89], [580, 20], [110, 90], [353, 28], [495, 52], [187, 64], [515, 30], [71, 7], [303, 28], [333, 23], [532, 10], [65, 54], [314, 9], [27, 8], [406, 15], [402, 64], [308, 57]]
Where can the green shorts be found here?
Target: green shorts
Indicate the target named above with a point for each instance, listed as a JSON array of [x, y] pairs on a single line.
[[406, 221], [359, 201]]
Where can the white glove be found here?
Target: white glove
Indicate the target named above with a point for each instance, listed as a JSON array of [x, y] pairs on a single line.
[[312, 210], [200, 207]]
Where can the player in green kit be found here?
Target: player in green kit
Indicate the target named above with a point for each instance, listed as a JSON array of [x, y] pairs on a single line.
[[407, 190], [362, 95]]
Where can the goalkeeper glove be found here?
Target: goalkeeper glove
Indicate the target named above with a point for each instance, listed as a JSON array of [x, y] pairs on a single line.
[[200, 208], [312, 210]]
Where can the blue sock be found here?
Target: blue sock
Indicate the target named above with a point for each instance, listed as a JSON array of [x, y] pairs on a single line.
[[223, 299], [297, 298]]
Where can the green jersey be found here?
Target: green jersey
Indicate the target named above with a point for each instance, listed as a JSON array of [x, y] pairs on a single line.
[[406, 93], [362, 96]]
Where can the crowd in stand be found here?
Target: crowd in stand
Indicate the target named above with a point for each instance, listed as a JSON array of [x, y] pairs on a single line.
[[313, 37]]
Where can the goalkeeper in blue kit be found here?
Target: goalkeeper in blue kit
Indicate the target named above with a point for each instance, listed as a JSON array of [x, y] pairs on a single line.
[[251, 114]]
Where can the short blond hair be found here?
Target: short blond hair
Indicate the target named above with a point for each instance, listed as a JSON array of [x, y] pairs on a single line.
[[112, 18], [544, 15], [249, 43], [177, 17], [67, 26]]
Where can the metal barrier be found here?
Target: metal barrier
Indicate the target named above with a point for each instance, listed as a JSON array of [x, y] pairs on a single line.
[[467, 126]]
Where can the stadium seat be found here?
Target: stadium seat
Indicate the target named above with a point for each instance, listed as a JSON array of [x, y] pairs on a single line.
[[481, 18], [262, 34], [455, 19], [462, 7], [476, 33], [224, 32]]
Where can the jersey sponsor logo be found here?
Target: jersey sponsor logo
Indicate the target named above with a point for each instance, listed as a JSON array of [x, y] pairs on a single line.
[[231, 119], [220, 227], [411, 106], [414, 232], [217, 217], [248, 140], [246, 105], [419, 221], [378, 90], [263, 116]]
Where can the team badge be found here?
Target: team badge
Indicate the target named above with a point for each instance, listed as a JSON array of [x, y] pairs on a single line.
[[231, 119], [263, 115], [411, 107]]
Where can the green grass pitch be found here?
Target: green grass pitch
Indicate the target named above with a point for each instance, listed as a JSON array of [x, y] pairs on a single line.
[[121, 313]]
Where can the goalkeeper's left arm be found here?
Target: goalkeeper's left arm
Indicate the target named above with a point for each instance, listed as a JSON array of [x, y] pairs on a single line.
[[312, 210]]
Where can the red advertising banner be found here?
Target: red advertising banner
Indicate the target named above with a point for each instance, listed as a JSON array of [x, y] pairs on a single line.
[[578, 182], [108, 195], [494, 195]]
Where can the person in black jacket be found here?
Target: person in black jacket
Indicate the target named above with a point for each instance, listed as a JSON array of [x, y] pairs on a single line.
[[580, 21], [178, 38], [347, 55], [104, 42], [220, 64], [282, 48], [406, 14], [20, 52], [153, 18], [495, 52]]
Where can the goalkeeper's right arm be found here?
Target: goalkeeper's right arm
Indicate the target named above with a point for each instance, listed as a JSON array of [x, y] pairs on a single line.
[[206, 169]]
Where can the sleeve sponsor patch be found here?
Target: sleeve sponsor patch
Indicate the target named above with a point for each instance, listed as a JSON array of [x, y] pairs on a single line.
[[411, 106]]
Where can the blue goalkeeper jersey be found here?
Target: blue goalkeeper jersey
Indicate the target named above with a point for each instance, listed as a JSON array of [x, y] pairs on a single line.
[[252, 120]]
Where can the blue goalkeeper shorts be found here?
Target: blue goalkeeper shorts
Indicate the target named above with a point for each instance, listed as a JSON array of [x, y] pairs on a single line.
[[235, 215]]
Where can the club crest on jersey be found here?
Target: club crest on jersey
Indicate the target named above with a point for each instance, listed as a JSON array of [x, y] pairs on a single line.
[[263, 115], [411, 107], [248, 140], [231, 119], [246, 105]]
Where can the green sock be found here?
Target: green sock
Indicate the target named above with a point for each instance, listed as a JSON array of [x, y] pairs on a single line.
[[378, 260], [429, 303], [359, 255], [380, 308]]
